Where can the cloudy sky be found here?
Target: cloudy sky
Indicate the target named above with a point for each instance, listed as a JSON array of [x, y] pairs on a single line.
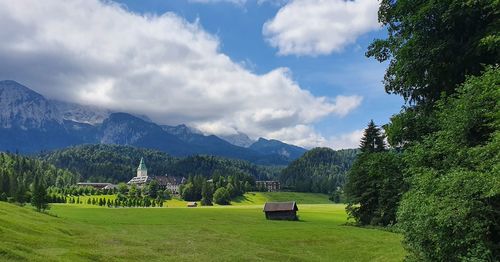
[[292, 70]]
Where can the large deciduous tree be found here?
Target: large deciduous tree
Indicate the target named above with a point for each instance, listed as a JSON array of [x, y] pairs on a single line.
[[452, 210], [432, 45]]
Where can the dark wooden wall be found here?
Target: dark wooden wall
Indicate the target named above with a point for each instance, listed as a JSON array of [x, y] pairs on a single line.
[[281, 215]]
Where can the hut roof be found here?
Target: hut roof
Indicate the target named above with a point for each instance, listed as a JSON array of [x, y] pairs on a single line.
[[280, 206]]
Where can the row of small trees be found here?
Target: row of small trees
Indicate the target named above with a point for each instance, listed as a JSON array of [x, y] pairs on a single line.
[[127, 202], [74, 190], [219, 189]]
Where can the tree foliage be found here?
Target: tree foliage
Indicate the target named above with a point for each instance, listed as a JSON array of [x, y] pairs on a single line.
[[372, 140], [113, 163], [432, 45], [207, 194], [221, 196], [448, 131], [452, 210], [320, 170], [39, 197], [375, 182], [21, 177]]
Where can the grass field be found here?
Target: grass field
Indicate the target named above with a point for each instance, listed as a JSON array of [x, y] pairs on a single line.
[[238, 233], [251, 198], [259, 198]]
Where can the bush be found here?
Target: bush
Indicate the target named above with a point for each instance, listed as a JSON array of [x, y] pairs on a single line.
[[221, 196]]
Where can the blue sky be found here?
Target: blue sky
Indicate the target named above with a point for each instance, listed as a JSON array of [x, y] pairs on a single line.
[[348, 72], [205, 62]]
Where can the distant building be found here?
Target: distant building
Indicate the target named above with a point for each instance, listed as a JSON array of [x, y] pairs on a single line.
[[96, 185], [281, 210], [171, 183], [142, 177], [270, 186]]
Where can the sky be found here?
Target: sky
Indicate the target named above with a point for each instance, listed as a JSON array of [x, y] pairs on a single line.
[[293, 70]]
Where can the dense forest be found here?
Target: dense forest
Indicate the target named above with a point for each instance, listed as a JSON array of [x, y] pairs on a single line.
[[440, 183], [320, 170], [113, 163], [22, 178]]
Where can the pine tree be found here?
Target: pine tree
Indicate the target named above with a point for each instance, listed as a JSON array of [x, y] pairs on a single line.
[[372, 140], [206, 194], [39, 193]]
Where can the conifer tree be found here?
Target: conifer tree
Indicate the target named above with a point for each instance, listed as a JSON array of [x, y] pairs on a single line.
[[206, 194], [372, 140], [39, 193]]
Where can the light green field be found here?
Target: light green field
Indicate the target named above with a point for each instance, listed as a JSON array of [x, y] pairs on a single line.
[[236, 233], [84, 199], [259, 198]]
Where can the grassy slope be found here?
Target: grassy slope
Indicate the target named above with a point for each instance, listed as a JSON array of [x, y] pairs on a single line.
[[183, 234], [259, 198]]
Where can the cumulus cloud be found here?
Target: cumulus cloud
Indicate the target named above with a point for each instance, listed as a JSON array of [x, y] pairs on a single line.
[[99, 53], [318, 27], [347, 140]]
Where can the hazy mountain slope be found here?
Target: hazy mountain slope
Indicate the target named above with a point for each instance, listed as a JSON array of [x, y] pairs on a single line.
[[31, 123], [276, 147]]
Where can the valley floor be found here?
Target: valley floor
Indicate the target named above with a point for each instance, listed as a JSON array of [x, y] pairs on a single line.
[[236, 233]]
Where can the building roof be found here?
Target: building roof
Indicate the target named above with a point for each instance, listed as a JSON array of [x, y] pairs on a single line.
[[93, 184], [280, 206], [139, 180], [172, 180], [142, 166]]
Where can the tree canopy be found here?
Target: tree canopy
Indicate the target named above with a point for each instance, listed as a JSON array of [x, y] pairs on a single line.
[[320, 170], [433, 45]]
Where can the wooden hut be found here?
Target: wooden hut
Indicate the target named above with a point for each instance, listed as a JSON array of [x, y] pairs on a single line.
[[281, 210]]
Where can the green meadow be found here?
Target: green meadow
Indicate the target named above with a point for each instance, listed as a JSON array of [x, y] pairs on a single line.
[[238, 232]]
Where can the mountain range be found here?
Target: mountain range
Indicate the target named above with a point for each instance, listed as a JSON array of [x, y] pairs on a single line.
[[30, 123]]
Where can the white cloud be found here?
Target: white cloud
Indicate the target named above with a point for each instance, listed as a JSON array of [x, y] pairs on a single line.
[[98, 53], [301, 135], [319, 27], [347, 140]]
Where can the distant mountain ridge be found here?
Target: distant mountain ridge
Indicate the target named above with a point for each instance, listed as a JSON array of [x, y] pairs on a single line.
[[31, 123], [239, 139], [273, 146]]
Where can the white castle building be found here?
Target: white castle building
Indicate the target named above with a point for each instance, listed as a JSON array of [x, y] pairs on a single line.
[[142, 175]]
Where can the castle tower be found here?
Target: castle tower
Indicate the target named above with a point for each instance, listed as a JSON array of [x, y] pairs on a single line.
[[142, 171]]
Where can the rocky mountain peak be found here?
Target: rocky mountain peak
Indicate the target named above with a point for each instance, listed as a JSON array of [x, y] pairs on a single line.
[[24, 108]]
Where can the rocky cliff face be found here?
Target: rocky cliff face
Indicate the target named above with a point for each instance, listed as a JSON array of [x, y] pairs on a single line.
[[239, 139], [80, 113], [21, 107]]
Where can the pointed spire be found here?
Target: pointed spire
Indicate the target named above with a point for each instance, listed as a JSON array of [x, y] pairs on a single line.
[[142, 166]]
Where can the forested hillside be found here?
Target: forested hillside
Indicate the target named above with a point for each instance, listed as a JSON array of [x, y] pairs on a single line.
[[320, 170], [113, 163], [18, 174]]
